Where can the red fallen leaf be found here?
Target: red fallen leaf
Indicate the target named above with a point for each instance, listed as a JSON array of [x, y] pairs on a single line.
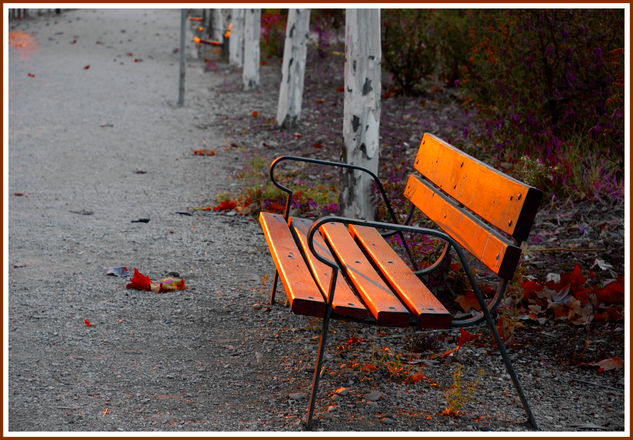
[[87, 67], [614, 363], [73, 42], [254, 114], [612, 293], [204, 152], [99, 42], [130, 54], [319, 101], [297, 136], [340, 89], [32, 75], [225, 205], [136, 60], [468, 301], [529, 288], [417, 377], [466, 337], [318, 145], [262, 63], [87, 323], [18, 194], [139, 281]]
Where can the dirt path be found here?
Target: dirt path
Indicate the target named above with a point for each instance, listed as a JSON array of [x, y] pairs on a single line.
[[96, 143]]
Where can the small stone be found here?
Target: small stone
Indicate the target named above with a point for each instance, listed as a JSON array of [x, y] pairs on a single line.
[[373, 396], [387, 420], [342, 391], [297, 396]]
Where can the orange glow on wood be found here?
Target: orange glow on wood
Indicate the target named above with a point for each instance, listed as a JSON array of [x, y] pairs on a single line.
[[377, 296], [346, 303], [301, 290], [418, 298]]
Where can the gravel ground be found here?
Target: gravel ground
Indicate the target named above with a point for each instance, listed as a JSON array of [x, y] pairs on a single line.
[[96, 142]]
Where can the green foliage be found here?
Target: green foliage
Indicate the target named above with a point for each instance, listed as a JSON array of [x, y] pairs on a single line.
[[257, 192]]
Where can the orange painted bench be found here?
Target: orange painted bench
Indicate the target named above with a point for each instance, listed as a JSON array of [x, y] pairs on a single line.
[[338, 267]]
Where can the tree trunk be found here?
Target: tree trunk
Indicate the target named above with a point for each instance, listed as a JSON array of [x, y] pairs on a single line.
[[236, 40], [217, 25], [293, 67], [361, 110], [252, 33]]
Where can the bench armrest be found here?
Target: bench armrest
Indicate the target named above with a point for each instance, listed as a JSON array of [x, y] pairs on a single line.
[[288, 191], [416, 230]]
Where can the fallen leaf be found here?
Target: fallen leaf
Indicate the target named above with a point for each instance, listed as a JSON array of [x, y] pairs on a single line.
[[116, 271], [168, 285], [139, 281], [204, 152], [87, 323], [612, 293], [87, 67], [254, 114], [32, 75], [614, 363], [468, 301], [225, 205]]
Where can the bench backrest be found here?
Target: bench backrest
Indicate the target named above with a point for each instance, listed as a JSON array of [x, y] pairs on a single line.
[[472, 202]]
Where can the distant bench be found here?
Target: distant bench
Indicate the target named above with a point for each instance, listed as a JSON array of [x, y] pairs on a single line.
[[477, 209]]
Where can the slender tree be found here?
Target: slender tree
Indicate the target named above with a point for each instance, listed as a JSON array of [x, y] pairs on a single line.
[[361, 110], [293, 67], [236, 40], [252, 33]]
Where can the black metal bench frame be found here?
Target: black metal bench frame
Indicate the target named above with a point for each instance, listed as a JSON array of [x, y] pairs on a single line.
[[487, 307]]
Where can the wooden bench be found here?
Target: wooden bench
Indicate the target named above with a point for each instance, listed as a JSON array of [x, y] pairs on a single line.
[[343, 267]]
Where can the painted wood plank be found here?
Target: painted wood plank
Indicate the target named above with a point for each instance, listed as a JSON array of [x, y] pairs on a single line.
[[301, 290], [503, 201], [473, 235], [410, 289], [345, 302], [381, 302]]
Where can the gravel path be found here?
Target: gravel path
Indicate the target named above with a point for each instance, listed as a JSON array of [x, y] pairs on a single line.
[[96, 142]]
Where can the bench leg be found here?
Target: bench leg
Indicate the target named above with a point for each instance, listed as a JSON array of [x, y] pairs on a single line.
[[508, 363], [274, 288], [317, 369]]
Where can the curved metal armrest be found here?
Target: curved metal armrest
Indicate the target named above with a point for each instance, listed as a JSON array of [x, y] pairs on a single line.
[[288, 191]]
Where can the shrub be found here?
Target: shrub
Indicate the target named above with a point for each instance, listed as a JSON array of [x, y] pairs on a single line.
[[409, 47]]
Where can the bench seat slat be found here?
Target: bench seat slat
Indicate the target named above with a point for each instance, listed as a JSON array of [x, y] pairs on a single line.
[[303, 294], [345, 302], [381, 302], [481, 241], [412, 291]]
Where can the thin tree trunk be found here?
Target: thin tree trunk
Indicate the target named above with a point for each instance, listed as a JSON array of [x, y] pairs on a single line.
[[293, 67], [252, 33], [361, 110], [217, 25], [236, 41]]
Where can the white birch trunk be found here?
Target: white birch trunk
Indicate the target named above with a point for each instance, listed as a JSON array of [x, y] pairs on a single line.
[[217, 25], [293, 67], [361, 110], [236, 41], [252, 34]]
